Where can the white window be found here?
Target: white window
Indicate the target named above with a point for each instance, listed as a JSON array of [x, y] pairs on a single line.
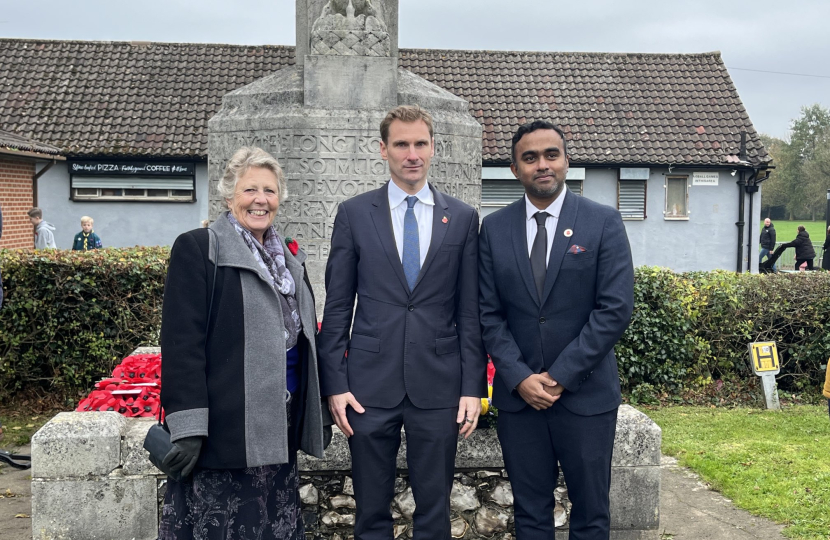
[[677, 198]]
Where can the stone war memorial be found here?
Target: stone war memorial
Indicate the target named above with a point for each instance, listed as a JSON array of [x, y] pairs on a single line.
[[320, 118]]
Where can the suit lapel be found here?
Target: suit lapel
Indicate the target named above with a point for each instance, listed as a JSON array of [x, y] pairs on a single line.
[[382, 218], [567, 218], [518, 222], [439, 230]]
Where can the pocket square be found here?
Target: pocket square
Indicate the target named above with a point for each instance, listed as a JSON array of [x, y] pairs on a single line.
[[575, 249]]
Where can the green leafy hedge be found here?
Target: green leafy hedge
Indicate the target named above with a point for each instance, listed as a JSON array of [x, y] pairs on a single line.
[[69, 317], [688, 329]]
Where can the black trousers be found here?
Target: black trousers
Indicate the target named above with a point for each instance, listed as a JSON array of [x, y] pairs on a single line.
[[431, 439], [799, 262], [532, 443]]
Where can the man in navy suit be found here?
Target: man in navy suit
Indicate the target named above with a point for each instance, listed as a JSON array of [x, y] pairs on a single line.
[[557, 287], [414, 357]]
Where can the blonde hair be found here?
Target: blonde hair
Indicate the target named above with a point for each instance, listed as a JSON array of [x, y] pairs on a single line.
[[87, 219], [242, 160], [408, 114]]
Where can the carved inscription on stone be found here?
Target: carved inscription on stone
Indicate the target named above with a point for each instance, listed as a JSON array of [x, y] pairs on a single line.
[[324, 169]]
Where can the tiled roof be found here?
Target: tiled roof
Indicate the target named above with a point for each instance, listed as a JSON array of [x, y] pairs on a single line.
[[154, 99], [13, 142]]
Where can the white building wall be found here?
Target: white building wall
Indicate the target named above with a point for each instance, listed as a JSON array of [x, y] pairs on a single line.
[[119, 224]]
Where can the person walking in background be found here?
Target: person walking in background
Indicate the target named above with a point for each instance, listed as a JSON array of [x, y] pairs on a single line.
[[86, 239], [557, 293], [413, 355], [804, 251], [767, 241], [44, 231], [825, 258]]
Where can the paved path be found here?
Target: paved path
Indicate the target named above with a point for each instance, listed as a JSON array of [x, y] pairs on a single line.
[[16, 490], [691, 511], [688, 510]]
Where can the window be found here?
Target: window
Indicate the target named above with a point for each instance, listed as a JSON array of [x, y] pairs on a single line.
[[497, 194], [631, 193], [575, 186], [499, 187], [132, 188], [677, 198]]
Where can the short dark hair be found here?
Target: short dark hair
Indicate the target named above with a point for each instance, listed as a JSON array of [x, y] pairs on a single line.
[[801, 228], [530, 128]]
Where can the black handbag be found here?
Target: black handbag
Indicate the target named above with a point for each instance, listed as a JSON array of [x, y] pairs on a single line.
[[157, 442]]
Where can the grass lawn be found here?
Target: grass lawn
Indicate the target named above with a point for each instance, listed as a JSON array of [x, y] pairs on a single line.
[[773, 464], [18, 426], [785, 231]]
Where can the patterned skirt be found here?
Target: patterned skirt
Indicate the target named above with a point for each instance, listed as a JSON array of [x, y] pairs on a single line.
[[258, 503]]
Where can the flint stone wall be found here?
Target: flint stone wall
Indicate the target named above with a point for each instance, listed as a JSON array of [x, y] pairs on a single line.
[[91, 480]]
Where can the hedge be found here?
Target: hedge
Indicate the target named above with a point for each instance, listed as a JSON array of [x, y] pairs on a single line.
[[70, 317]]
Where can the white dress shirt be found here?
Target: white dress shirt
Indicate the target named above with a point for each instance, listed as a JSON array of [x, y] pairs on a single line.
[[550, 222], [423, 214]]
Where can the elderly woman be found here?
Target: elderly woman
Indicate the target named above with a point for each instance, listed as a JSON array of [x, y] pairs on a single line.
[[239, 378]]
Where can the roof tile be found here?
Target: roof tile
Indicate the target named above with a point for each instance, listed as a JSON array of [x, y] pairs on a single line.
[[650, 108]]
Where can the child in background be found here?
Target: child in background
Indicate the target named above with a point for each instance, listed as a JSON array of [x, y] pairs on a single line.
[[44, 231], [86, 239]]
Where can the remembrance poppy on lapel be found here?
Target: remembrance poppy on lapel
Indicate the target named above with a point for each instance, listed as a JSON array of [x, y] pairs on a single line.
[[292, 244]]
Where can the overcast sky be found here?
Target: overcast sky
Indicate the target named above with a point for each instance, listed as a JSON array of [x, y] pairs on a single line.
[[764, 35]]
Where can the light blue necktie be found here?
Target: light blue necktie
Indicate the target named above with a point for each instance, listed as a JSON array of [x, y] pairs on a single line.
[[411, 244]]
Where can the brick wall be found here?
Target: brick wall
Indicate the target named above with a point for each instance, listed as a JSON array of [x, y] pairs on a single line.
[[16, 200]]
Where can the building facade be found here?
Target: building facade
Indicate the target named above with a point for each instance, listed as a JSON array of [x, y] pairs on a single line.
[[662, 137]]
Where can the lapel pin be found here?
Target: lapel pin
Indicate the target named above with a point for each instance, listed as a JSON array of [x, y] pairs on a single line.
[[568, 233], [444, 220]]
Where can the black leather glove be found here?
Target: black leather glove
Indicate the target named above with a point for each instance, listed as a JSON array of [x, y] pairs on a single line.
[[182, 458]]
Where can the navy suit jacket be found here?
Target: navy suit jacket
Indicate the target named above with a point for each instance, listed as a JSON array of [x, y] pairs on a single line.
[[424, 343], [585, 307]]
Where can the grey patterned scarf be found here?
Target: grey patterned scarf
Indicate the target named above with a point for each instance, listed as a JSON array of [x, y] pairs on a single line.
[[271, 258]]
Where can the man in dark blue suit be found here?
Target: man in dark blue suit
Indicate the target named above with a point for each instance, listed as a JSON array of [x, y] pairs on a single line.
[[556, 293], [414, 356]]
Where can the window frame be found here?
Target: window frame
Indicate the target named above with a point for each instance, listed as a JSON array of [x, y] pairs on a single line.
[[134, 184], [685, 179]]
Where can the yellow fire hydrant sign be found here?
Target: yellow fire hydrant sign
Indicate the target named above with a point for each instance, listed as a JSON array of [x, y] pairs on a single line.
[[764, 357]]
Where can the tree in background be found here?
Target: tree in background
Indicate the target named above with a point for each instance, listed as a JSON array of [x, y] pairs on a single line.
[[774, 192], [802, 174]]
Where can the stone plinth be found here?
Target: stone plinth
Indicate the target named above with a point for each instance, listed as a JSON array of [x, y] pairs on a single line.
[[122, 503], [72, 446]]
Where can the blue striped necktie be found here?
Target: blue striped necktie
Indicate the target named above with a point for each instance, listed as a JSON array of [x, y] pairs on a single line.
[[411, 244]]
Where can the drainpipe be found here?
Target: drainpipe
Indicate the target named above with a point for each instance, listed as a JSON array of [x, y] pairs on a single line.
[[752, 189], [741, 198]]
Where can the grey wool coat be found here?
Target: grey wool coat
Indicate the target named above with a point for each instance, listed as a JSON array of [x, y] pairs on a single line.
[[230, 385]]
